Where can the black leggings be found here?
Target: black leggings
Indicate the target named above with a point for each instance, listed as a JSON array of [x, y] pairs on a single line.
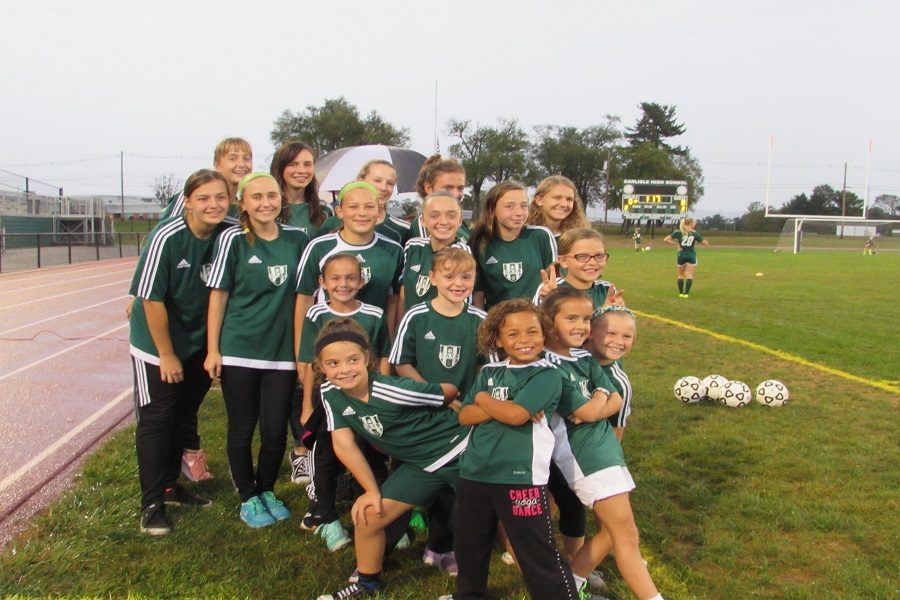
[[166, 415], [572, 518], [254, 396]]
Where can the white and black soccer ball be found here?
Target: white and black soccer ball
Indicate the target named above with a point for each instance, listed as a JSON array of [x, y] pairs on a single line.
[[772, 392], [690, 389], [715, 387], [646, 248], [736, 394]]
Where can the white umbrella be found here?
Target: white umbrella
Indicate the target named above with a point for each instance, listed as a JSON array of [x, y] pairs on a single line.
[[341, 166]]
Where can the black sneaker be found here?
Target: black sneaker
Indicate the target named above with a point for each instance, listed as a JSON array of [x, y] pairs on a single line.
[[311, 521], [179, 496], [354, 590], [154, 521]]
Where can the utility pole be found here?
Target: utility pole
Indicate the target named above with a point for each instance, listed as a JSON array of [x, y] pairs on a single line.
[[844, 200], [122, 182], [606, 200]]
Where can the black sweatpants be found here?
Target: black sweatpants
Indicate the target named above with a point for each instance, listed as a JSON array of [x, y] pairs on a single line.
[[254, 396], [572, 517], [166, 415], [525, 514]]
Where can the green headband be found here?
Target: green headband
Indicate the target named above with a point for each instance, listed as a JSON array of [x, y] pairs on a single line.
[[355, 185], [608, 309], [250, 177]]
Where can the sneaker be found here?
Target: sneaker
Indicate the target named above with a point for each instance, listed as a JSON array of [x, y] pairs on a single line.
[[354, 590], [584, 593], [446, 561], [310, 522], [193, 465], [595, 581], [403, 543], [507, 559], [354, 576], [154, 521], [446, 597], [335, 536], [417, 520], [299, 468], [275, 506], [254, 513], [179, 496]]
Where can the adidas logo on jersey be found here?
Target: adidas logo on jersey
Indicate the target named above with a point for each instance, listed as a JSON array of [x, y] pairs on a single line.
[[254, 260], [429, 335], [415, 268], [184, 264], [491, 261], [348, 412]]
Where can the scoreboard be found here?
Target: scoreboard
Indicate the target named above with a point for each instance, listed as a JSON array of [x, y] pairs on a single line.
[[654, 199]]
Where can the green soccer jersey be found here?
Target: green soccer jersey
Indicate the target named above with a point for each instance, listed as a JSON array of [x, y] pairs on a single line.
[[405, 418], [417, 229], [258, 328], [173, 269], [687, 243], [381, 262], [370, 318], [300, 218], [513, 269], [622, 383], [442, 349], [583, 449], [417, 258], [499, 453], [597, 292]]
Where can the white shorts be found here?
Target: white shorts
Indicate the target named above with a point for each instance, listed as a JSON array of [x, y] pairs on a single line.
[[603, 484]]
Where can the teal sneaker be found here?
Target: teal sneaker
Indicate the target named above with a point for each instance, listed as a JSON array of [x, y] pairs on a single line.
[[274, 506], [334, 534], [254, 513]]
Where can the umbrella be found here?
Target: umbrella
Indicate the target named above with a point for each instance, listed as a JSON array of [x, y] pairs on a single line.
[[342, 165]]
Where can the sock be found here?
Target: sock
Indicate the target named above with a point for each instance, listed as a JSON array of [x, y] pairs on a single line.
[[687, 285], [656, 597], [370, 581], [579, 581], [681, 286]]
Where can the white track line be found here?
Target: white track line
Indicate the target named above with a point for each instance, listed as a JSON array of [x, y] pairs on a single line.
[[59, 271], [11, 479], [55, 296], [78, 280], [65, 314], [54, 355]]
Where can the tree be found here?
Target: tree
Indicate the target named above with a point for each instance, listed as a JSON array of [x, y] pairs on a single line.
[[578, 154], [889, 203], [755, 219], [656, 125], [492, 154], [336, 124], [716, 221], [824, 200], [166, 186]]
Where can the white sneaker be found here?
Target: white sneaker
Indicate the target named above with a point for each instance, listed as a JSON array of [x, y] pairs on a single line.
[[299, 467]]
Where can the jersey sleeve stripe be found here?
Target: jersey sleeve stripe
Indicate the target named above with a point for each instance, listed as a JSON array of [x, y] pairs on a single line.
[[154, 255], [397, 350], [218, 267], [398, 395]]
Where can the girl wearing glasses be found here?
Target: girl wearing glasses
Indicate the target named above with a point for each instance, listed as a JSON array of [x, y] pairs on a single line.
[[582, 257], [557, 206]]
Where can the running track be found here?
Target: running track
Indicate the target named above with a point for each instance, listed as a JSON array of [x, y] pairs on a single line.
[[65, 377]]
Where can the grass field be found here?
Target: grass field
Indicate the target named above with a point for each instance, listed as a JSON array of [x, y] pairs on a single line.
[[796, 502]]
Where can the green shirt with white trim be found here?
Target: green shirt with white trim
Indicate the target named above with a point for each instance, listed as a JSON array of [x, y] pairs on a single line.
[[519, 455], [513, 269], [417, 260], [687, 243], [370, 318], [173, 269], [442, 349], [381, 263], [300, 218], [583, 449], [405, 418], [258, 328]]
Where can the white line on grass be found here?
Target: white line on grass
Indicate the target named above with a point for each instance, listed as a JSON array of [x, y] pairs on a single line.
[[54, 355], [11, 479], [55, 296], [65, 314]]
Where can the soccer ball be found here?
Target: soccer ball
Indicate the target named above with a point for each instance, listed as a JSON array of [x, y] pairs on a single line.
[[690, 389], [646, 248], [772, 393], [736, 394], [715, 387]]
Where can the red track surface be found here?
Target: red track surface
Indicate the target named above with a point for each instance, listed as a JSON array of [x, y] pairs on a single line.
[[65, 377]]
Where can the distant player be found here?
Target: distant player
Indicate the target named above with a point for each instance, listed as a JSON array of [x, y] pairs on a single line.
[[685, 238], [869, 247], [637, 239]]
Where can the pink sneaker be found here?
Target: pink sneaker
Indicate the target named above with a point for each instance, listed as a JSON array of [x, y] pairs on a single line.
[[445, 562], [193, 465]]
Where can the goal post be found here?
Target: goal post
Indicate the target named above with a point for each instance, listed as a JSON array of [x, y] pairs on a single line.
[[829, 233]]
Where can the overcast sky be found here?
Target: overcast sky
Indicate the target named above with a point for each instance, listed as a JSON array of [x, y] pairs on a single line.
[[163, 81]]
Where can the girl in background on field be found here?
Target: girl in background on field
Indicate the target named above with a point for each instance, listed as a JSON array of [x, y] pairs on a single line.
[[168, 344], [583, 258], [685, 238], [405, 418], [340, 279], [557, 206], [612, 336], [587, 452], [504, 470], [439, 174], [510, 254], [233, 158], [442, 218], [251, 342], [294, 168], [637, 239]]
